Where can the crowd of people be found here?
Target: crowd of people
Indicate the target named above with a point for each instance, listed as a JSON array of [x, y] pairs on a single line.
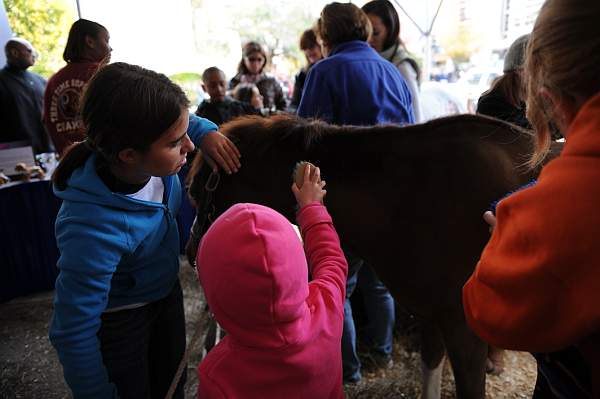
[[123, 133]]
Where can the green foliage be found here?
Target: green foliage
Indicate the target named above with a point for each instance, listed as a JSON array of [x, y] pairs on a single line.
[[461, 45], [45, 23], [190, 83], [277, 26], [186, 77]]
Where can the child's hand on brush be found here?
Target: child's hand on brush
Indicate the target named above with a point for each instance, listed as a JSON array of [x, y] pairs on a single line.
[[308, 186]]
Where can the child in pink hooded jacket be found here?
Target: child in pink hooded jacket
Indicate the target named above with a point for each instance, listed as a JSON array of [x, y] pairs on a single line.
[[284, 333]]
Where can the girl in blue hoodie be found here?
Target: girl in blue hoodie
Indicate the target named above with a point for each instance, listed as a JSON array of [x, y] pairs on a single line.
[[118, 323]]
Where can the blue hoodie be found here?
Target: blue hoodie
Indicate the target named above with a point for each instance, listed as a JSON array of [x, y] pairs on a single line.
[[355, 86], [114, 251]]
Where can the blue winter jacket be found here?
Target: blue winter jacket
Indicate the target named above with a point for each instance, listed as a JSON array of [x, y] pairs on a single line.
[[355, 86], [114, 251]]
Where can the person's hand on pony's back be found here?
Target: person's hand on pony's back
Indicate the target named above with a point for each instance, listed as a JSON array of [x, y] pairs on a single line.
[[219, 150]]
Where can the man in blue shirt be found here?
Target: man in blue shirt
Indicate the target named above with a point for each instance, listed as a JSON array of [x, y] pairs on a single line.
[[353, 85]]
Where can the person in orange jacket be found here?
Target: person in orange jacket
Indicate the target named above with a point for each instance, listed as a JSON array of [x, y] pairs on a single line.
[[537, 285]]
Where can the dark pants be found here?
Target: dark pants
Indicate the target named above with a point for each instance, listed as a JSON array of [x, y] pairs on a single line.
[[562, 375], [142, 347], [379, 306]]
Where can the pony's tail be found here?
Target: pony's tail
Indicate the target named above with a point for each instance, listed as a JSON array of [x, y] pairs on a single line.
[[74, 158]]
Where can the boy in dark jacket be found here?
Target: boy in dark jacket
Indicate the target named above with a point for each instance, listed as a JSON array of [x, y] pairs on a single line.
[[220, 108]]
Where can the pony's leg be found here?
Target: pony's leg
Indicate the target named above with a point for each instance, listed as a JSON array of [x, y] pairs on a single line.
[[432, 356], [467, 355], [432, 381]]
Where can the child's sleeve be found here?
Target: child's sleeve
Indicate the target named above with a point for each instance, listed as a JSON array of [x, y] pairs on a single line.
[[326, 259], [198, 128]]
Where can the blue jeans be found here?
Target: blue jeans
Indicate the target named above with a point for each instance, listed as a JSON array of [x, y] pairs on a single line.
[[142, 347], [379, 305]]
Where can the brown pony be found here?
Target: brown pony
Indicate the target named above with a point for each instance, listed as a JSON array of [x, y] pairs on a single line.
[[408, 200]]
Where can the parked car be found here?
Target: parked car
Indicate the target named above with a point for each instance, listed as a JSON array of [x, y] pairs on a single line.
[[438, 101], [472, 84]]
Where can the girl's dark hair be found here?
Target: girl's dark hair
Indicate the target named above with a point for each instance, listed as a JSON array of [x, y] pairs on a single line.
[[386, 11], [308, 39], [76, 42], [248, 49], [343, 22], [510, 86], [123, 106], [244, 92]]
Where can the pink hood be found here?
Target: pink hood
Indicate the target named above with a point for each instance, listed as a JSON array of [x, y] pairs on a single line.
[[265, 256]]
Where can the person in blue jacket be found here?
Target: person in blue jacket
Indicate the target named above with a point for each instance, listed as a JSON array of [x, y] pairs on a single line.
[[118, 324], [353, 85]]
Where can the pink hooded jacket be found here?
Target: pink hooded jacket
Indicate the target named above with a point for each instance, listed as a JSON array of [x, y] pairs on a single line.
[[283, 333]]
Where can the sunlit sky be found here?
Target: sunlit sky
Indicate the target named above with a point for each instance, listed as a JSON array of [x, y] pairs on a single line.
[[153, 33], [158, 33]]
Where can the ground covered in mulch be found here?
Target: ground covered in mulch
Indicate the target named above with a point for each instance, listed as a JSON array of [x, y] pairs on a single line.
[[29, 367]]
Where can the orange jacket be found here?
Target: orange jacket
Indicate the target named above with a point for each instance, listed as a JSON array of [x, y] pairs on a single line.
[[537, 285]]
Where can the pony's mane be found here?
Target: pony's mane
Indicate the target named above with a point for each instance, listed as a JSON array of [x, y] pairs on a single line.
[[255, 134], [252, 132]]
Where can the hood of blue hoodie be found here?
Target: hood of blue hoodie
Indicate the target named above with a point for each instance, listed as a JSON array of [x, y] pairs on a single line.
[[85, 185]]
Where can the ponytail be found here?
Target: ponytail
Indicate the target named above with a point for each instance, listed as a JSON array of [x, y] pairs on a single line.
[[74, 157]]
